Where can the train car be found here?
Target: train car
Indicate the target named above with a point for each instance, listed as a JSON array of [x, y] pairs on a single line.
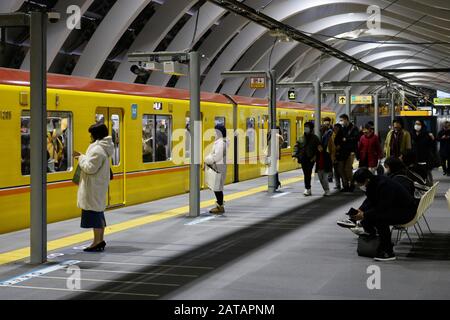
[[149, 126]]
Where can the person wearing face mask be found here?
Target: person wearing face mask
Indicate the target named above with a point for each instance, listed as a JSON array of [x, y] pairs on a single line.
[[398, 140], [423, 143], [348, 149], [305, 151], [326, 134], [444, 150], [369, 149], [333, 148], [387, 204]]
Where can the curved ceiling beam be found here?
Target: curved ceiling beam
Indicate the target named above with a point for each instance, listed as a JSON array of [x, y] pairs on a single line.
[[153, 33], [58, 33], [224, 63], [108, 33], [208, 15], [9, 6], [260, 60], [219, 37]]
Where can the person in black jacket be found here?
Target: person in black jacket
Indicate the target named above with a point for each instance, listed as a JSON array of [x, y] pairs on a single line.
[[396, 170], [444, 151], [387, 204], [348, 149], [423, 146], [306, 153]]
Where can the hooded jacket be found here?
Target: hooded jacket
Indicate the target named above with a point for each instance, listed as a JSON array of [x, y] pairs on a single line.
[[95, 175], [218, 159]]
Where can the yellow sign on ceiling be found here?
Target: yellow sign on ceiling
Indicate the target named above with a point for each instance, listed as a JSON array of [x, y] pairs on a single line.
[[342, 100], [258, 83], [441, 101], [362, 100]]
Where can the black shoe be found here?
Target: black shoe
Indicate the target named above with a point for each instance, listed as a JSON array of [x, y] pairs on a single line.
[[98, 248], [345, 189], [385, 256]]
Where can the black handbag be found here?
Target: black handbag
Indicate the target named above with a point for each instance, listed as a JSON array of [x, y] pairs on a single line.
[[368, 246]]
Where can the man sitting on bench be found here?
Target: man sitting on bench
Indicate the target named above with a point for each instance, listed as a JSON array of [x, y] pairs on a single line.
[[387, 204]]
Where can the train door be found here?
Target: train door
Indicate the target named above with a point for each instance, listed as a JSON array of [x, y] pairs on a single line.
[[113, 119]]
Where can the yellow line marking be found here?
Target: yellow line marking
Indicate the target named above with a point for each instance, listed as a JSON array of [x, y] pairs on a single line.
[[20, 254]]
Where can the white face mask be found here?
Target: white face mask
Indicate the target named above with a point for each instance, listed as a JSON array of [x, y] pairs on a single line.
[[417, 127], [363, 188], [342, 123], [307, 130]]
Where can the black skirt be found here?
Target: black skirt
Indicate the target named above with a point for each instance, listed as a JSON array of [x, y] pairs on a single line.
[[92, 220]]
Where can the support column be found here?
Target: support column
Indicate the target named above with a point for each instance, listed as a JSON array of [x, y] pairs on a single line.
[[318, 108], [273, 169], [196, 133], [348, 104], [392, 106], [38, 158], [376, 113]]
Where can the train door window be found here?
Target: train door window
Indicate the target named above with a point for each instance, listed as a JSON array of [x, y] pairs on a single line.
[[251, 135], [220, 121], [299, 124], [115, 134], [163, 138], [99, 118], [148, 141], [59, 142], [285, 126]]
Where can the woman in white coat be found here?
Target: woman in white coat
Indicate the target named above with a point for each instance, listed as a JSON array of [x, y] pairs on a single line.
[[217, 160], [94, 181]]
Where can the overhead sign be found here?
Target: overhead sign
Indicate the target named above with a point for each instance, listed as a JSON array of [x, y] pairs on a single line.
[[342, 100], [362, 100], [258, 83], [292, 95], [441, 101]]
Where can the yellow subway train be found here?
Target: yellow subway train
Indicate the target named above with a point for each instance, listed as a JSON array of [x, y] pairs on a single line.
[[149, 126]]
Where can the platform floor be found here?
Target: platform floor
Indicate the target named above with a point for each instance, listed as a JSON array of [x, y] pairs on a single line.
[[266, 247]]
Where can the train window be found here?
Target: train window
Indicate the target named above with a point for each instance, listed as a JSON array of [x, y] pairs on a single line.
[[299, 128], [251, 135], [115, 133], [156, 138], [148, 142], [285, 126], [59, 142], [220, 121]]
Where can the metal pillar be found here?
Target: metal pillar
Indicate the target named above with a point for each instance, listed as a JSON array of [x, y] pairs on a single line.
[[38, 159], [273, 170], [392, 107], [348, 103], [318, 107], [376, 113], [194, 85]]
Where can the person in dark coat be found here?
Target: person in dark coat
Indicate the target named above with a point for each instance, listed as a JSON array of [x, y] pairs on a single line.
[[444, 151], [387, 204], [423, 147], [348, 149], [306, 153], [397, 171]]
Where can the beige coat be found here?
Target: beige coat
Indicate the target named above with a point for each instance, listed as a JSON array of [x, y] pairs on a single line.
[[95, 175], [218, 159]]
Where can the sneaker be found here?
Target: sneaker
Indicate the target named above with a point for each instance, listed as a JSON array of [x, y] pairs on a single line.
[[218, 210], [385, 256], [327, 193], [346, 223], [307, 193], [359, 231]]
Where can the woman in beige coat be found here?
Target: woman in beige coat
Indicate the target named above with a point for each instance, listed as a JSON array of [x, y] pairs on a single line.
[[217, 160], [94, 182]]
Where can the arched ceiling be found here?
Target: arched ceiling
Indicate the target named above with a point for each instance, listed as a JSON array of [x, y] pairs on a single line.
[[413, 34]]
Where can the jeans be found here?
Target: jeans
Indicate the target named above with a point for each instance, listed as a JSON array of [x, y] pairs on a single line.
[[323, 176], [307, 167]]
